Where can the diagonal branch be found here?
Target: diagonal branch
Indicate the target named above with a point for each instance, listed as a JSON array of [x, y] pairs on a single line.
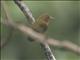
[[38, 37], [24, 8]]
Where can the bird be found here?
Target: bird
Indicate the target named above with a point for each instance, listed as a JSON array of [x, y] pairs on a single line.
[[41, 24]]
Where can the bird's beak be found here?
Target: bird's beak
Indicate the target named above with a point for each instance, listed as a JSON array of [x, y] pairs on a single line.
[[51, 17]]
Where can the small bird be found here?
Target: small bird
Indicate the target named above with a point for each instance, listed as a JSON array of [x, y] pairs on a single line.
[[41, 24]]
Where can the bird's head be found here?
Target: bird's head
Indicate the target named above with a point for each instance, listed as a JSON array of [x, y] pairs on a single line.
[[46, 18]]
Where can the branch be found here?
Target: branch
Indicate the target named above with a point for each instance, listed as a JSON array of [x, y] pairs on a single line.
[[68, 45], [24, 8], [38, 37]]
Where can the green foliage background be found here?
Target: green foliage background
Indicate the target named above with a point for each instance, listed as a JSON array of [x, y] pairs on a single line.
[[65, 26]]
